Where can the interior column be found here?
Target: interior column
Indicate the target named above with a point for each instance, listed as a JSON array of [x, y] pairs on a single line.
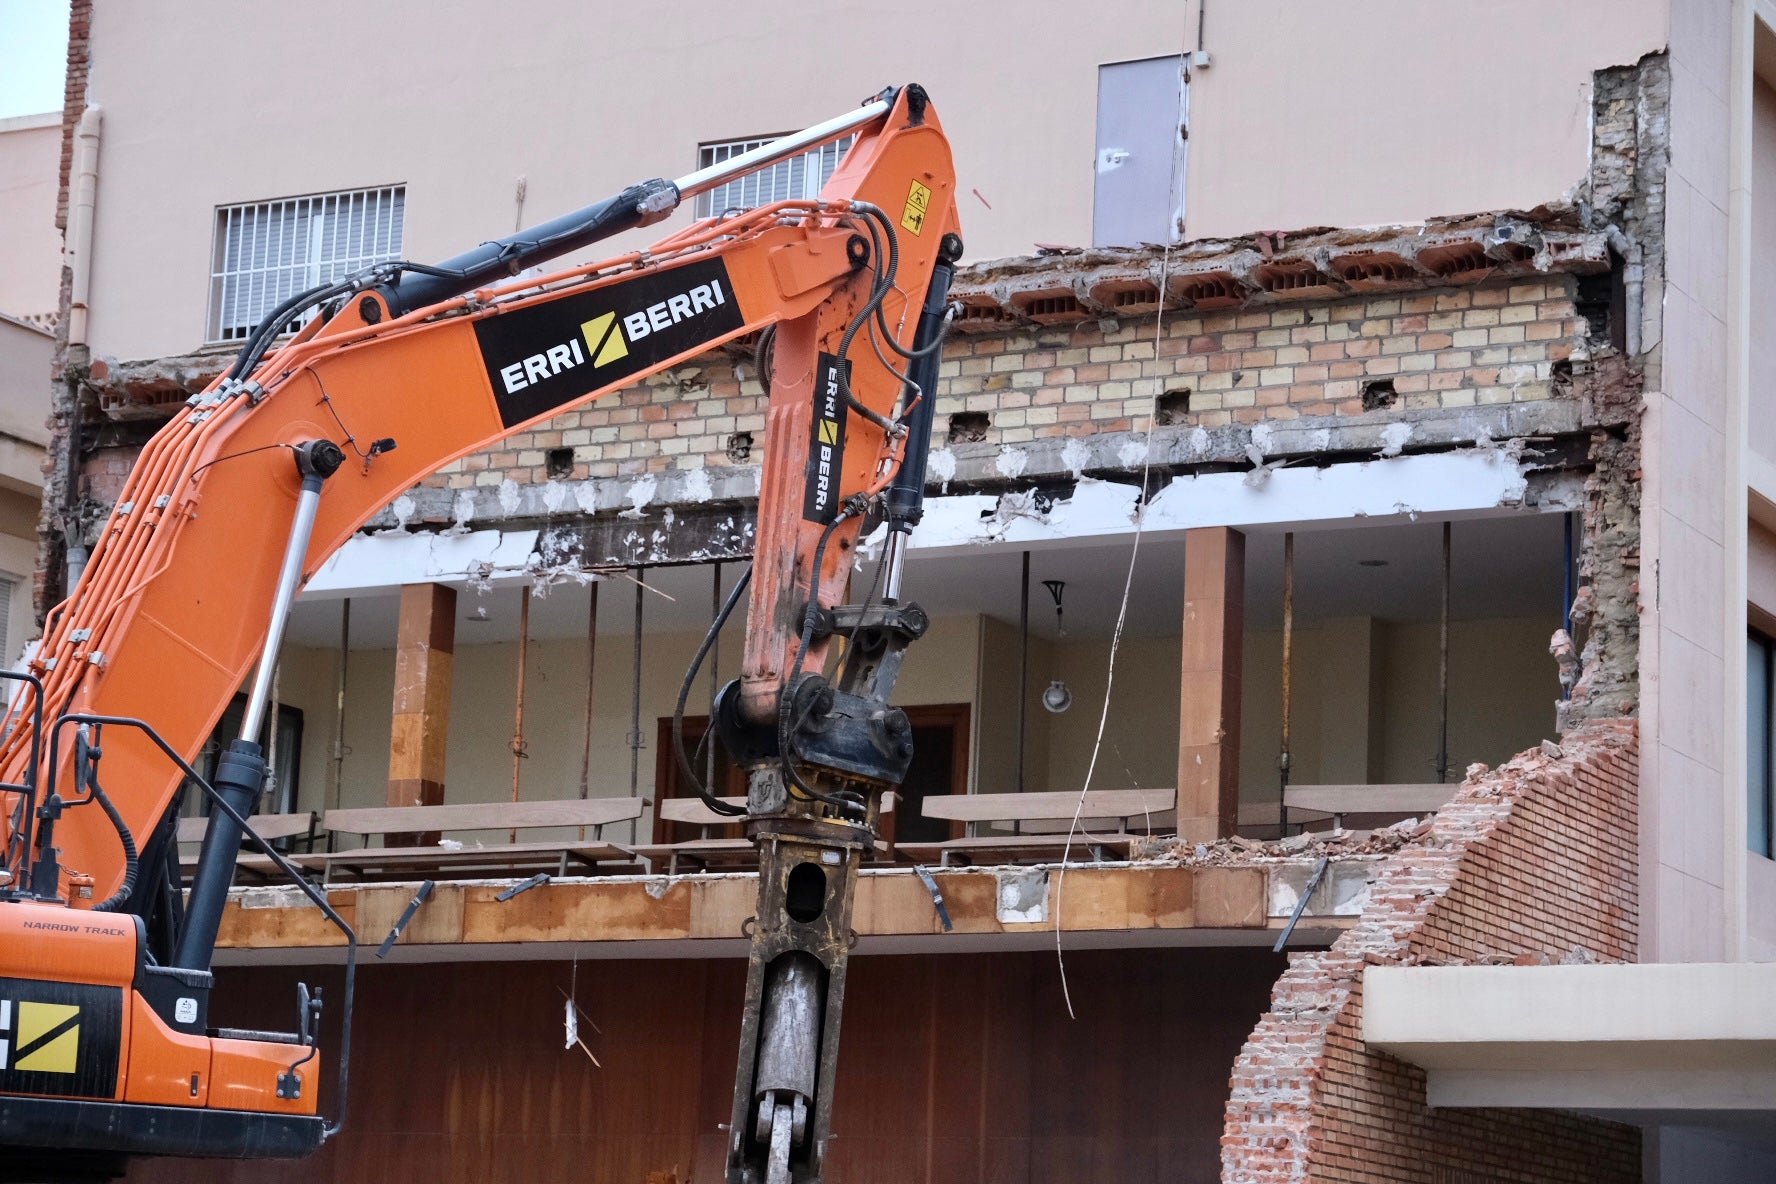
[[424, 646], [1209, 704]]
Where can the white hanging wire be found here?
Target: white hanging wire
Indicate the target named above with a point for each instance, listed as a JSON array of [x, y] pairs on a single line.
[[1172, 232]]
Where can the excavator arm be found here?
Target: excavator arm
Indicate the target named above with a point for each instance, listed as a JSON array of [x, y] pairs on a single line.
[[267, 473]]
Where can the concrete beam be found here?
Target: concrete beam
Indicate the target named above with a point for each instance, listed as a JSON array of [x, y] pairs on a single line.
[[636, 505], [1141, 901]]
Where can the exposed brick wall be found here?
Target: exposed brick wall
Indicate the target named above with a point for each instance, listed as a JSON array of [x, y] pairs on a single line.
[[1452, 348], [48, 580], [1526, 863], [73, 96]]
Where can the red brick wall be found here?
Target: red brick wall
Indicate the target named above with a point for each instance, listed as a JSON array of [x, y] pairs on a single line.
[[1527, 862], [73, 96]]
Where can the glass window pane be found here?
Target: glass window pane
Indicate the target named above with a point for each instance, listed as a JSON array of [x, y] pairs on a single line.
[[1757, 742]]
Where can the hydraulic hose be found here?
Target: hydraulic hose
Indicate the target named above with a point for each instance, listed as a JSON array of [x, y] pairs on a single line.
[[86, 761], [684, 694]]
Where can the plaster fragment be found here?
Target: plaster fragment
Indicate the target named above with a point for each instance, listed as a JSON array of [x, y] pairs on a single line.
[[1011, 462], [1132, 454], [1075, 455], [1394, 438], [639, 495], [697, 487], [403, 508], [1022, 897], [554, 496], [942, 465], [509, 496]]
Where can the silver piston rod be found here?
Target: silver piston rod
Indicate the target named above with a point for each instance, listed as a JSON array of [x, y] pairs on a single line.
[[240, 771]]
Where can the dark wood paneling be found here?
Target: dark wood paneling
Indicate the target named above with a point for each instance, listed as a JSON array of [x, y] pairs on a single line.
[[957, 1069]]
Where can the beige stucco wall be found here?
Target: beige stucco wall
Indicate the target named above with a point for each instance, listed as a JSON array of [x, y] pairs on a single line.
[[18, 559], [1691, 659], [1763, 262], [1374, 111], [580, 99], [30, 244], [1311, 114], [26, 355]]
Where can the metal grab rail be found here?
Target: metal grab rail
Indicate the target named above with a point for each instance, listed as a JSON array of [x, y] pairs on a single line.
[[21, 832], [314, 894]]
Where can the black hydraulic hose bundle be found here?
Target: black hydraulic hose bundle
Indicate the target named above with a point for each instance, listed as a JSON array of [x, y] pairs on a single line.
[[707, 793], [86, 762]]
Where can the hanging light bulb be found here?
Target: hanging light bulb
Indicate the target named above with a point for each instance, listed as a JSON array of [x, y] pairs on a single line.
[[1057, 698]]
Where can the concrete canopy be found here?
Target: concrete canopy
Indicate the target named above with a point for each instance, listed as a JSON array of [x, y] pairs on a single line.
[[1691, 1042]]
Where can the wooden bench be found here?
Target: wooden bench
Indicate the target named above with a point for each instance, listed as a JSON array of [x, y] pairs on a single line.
[[273, 828], [706, 852], [270, 827], [1393, 801], [1043, 821], [470, 859]]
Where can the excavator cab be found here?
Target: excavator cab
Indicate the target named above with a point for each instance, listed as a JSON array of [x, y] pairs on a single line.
[[106, 1051]]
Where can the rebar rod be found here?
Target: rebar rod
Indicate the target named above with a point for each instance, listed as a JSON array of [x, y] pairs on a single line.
[[709, 740], [635, 699], [337, 788], [1443, 671], [1023, 694], [1288, 680], [518, 752], [591, 670]]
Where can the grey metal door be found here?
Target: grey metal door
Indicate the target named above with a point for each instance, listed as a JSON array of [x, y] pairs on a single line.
[[1140, 162]]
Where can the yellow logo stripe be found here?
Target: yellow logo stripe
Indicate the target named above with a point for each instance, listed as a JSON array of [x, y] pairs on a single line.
[[604, 341], [829, 432], [58, 1055]]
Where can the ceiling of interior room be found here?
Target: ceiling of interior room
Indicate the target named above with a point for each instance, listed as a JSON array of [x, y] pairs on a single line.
[[1509, 565]]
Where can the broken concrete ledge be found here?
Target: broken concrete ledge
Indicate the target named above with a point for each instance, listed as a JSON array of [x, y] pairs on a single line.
[[891, 903], [1042, 291], [1169, 451]]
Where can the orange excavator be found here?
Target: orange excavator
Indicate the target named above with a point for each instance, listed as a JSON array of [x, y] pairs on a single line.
[[106, 1050]]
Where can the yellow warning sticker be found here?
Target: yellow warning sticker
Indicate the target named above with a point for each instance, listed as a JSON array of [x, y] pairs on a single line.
[[917, 202]]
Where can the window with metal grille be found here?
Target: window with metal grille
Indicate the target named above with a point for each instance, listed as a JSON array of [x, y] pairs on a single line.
[[268, 251], [798, 177]]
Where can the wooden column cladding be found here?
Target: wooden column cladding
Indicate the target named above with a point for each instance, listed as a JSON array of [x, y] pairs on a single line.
[[1209, 702], [424, 649]]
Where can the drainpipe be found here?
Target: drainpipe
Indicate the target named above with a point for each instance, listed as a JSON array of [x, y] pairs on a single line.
[[1633, 284], [80, 221], [77, 252]]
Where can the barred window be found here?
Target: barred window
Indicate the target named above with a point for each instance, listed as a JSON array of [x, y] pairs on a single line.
[[268, 251], [798, 177], [9, 586]]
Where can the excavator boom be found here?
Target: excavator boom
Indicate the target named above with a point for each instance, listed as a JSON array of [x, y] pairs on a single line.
[[262, 477]]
